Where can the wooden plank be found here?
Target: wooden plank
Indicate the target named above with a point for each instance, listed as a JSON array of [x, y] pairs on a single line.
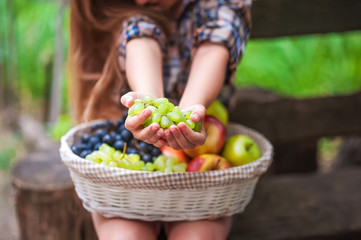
[[295, 157], [313, 206], [283, 119], [276, 18], [349, 153]]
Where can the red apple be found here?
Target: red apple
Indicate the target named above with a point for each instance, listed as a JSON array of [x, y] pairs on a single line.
[[179, 154], [216, 136], [207, 162]]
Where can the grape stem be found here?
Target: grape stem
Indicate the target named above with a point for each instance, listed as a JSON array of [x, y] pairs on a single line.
[[124, 150]]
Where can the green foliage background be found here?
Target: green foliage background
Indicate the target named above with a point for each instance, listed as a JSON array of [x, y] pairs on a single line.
[[304, 66], [299, 66]]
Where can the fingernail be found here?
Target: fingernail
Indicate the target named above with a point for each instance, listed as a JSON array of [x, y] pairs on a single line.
[[196, 117]]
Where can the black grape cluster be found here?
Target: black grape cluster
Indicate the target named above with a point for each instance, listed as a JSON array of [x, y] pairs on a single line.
[[117, 136]]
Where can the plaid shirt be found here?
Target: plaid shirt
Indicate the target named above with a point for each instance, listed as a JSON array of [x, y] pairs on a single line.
[[226, 22]]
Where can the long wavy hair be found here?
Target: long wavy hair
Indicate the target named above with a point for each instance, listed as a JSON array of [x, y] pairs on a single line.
[[96, 82]]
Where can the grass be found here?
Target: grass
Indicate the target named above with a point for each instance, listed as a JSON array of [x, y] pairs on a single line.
[[303, 66]]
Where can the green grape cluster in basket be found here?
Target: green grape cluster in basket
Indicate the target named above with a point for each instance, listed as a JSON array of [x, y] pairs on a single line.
[[163, 112], [109, 156]]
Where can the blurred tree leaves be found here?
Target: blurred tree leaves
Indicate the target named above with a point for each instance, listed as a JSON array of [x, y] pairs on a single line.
[[303, 66], [299, 66]]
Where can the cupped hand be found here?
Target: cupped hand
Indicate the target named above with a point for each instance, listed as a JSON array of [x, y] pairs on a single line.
[[181, 136], [151, 134]]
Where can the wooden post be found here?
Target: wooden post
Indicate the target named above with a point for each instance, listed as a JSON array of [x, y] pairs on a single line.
[[47, 206]]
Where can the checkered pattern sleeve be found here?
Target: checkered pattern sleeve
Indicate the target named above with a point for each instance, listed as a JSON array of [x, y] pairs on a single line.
[[136, 27], [228, 24]]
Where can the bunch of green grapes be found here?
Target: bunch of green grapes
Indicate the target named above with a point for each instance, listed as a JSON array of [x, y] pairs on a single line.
[[163, 112], [109, 156]]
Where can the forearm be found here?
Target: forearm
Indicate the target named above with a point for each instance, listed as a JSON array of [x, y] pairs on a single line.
[[206, 76], [144, 66]]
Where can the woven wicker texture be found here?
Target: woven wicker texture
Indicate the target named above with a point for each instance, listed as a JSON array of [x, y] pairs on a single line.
[[150, 196]]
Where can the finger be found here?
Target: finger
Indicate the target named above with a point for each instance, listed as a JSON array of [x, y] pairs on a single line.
[[148, 134], [193, 137], [171, 140], [198, 113], [133, 122], [153, 136], [160, 133], [127, 99], [178, 136], [160, 143]]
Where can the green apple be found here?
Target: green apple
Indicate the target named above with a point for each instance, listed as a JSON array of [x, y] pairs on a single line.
[[240, 149], [218, 110]]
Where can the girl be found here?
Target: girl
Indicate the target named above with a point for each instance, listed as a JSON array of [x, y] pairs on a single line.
[[185, 50]]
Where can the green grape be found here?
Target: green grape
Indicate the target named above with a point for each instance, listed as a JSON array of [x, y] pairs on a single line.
[[105, 157], [137, 165], [157, 102], [133, 157], [175, 117], [170, 106], [148, 99], [93, 157], [136, 101], [136, 109], [124, 164], [190, 123], [157, 117], [117, 155], [177, 109], [153, 109], [112, 164], [180, 167], [183, 118], [171, 161], [147, 121], [188, 113], [165, 122], [149, 167], [163, 108], [159, 163], [105, 148], [197, 127]]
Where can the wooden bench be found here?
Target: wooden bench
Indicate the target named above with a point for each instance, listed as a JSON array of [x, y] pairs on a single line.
[[302, 206], [307, 206]]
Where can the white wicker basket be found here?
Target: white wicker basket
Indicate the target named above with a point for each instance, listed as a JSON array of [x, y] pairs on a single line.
[[151, 196]]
